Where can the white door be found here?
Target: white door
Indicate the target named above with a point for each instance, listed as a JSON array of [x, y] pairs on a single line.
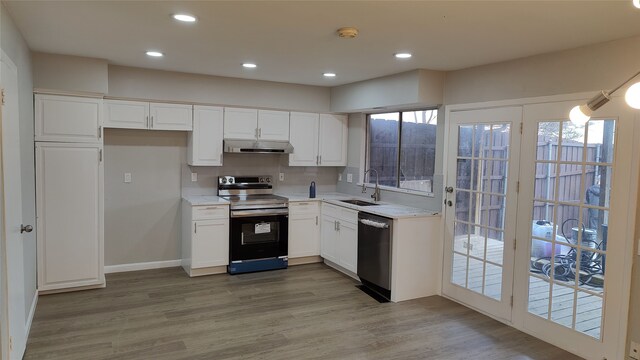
[[171, 116], [67, 119], [273, 125], [210, 243], [304, 139], [348, 245], [575, 226], [126, 114], [204, 143], [333, 140], [329, 238], [12, 210], [69, 194], [480, 208], [240, 123]]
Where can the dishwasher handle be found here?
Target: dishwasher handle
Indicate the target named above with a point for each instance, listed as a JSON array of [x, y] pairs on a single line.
[[374, 224]]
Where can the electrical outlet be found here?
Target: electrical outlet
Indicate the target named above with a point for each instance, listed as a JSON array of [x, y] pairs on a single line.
[[281, 177], [634, 350], [349, 178], [194, 177], [340, 177], [127, 178]]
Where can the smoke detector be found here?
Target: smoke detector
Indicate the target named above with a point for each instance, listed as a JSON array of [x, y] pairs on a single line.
[[348, 32]]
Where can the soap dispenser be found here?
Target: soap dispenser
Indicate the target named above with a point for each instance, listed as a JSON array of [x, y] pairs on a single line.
[[312, 190]]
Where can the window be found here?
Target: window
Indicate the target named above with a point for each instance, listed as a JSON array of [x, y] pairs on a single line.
[[401, 147]]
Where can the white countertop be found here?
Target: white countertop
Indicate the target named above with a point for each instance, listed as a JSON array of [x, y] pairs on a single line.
[[204, 200], [385, 209]]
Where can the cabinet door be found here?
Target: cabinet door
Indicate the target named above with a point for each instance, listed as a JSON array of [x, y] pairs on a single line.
[[69, 196], [273, 125], [126, 114], [204, 144], [240, 123], [303, 136], [171, 116], [328, 239], [348, 246], [210, 246], [304, 235], [68, 119], [333, 140]]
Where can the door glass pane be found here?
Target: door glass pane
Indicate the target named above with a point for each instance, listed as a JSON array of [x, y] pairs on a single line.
[[476, 275], [570, 227], [463, 200], [463, 177], [495, 247], [465, 140], [493, 281], [501, 136], [481, 140], [459, 270]]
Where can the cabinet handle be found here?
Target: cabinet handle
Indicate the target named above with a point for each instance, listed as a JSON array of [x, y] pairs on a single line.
[[100, 155], [195, 228], [260, 132], [316, 221], [320, 162], [302, 203], [317, 160], [146, 121], [338, 225], [99, 132], [151, 122], [256, 133]]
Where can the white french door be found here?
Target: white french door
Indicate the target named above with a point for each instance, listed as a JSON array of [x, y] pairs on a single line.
[[480, 208], [573, 218]]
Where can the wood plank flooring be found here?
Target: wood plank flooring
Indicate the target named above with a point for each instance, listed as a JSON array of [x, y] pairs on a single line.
[[304, 312]]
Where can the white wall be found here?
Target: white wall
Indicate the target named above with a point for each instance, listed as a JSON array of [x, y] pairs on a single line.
[[14, 45], [70, 73], [590, 68], [166, 85]]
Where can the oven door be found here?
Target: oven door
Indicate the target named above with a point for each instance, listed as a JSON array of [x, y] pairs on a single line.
[[258, 234]]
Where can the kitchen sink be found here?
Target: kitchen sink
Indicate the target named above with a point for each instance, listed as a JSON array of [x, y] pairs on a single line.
[[359, 202]]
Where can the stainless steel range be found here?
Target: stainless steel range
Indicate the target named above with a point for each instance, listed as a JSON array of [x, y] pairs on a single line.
[[258, 236]]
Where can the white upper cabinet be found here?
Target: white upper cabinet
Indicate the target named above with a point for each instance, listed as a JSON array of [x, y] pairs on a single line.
[[333, 140], [318, 140], [252, 124], [126, 114], [204, 144], [68, 119], [304, 139], [171, 116], [240, 123], [273, 125]]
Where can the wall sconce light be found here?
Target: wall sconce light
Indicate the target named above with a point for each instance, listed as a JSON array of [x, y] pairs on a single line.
[[580, 114]]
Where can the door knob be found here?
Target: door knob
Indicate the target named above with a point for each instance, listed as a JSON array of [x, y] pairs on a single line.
[[26, 228], [449, 203]]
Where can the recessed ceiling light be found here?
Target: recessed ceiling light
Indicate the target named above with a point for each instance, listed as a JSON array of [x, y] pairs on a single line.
[[636, 3], [329, 74], [249, 65], [155, 53], [402, 55], [184, 17]]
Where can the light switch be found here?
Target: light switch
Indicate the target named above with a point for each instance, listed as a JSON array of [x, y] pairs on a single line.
[[127, 178], [349, 178], [194, 177], [281, 177], [340, 177]]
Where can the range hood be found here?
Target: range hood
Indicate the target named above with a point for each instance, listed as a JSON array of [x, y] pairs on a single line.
[[257, 147]]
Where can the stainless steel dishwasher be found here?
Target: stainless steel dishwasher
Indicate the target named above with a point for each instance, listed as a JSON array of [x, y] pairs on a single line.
[[374, 253]]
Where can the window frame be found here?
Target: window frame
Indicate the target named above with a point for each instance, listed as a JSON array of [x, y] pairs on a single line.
[[367, 149]]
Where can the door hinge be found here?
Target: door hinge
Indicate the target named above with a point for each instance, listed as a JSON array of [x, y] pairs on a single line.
[[515, 242], [100, 155], [316, 221], [511, 300], [2, 96], [518, 187], [195, 227], [10, 343], [521, 126]]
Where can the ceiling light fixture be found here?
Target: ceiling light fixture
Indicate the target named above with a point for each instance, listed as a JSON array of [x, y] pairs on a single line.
[[329, 74], [348, 32], [184, 17], [402, 55], [580, 114], [636, 3], [153, 53], [250, 65]]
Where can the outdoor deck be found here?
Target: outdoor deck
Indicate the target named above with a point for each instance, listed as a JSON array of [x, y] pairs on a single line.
[[588, 309]]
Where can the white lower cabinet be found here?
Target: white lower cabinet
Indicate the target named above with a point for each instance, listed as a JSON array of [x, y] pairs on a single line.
[[205, 239], [304, 229], [339, 236], [70, 213]]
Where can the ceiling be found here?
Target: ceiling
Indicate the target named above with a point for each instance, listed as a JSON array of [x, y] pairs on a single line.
[[296, 41]]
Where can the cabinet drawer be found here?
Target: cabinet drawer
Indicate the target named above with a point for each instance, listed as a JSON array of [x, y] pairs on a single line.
[[331, 210], [303, 208], [210, 212], [348, 215]]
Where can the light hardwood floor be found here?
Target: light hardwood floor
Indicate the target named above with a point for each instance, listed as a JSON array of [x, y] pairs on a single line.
[[304, 312]]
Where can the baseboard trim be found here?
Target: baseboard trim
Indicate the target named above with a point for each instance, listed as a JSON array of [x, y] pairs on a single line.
[[32, 313], [142, 266], [304, 260]]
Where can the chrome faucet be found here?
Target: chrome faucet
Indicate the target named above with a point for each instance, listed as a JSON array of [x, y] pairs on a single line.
[[376, 191]]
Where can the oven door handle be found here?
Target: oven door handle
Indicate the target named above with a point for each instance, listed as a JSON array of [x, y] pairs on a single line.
[[258, 212]]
